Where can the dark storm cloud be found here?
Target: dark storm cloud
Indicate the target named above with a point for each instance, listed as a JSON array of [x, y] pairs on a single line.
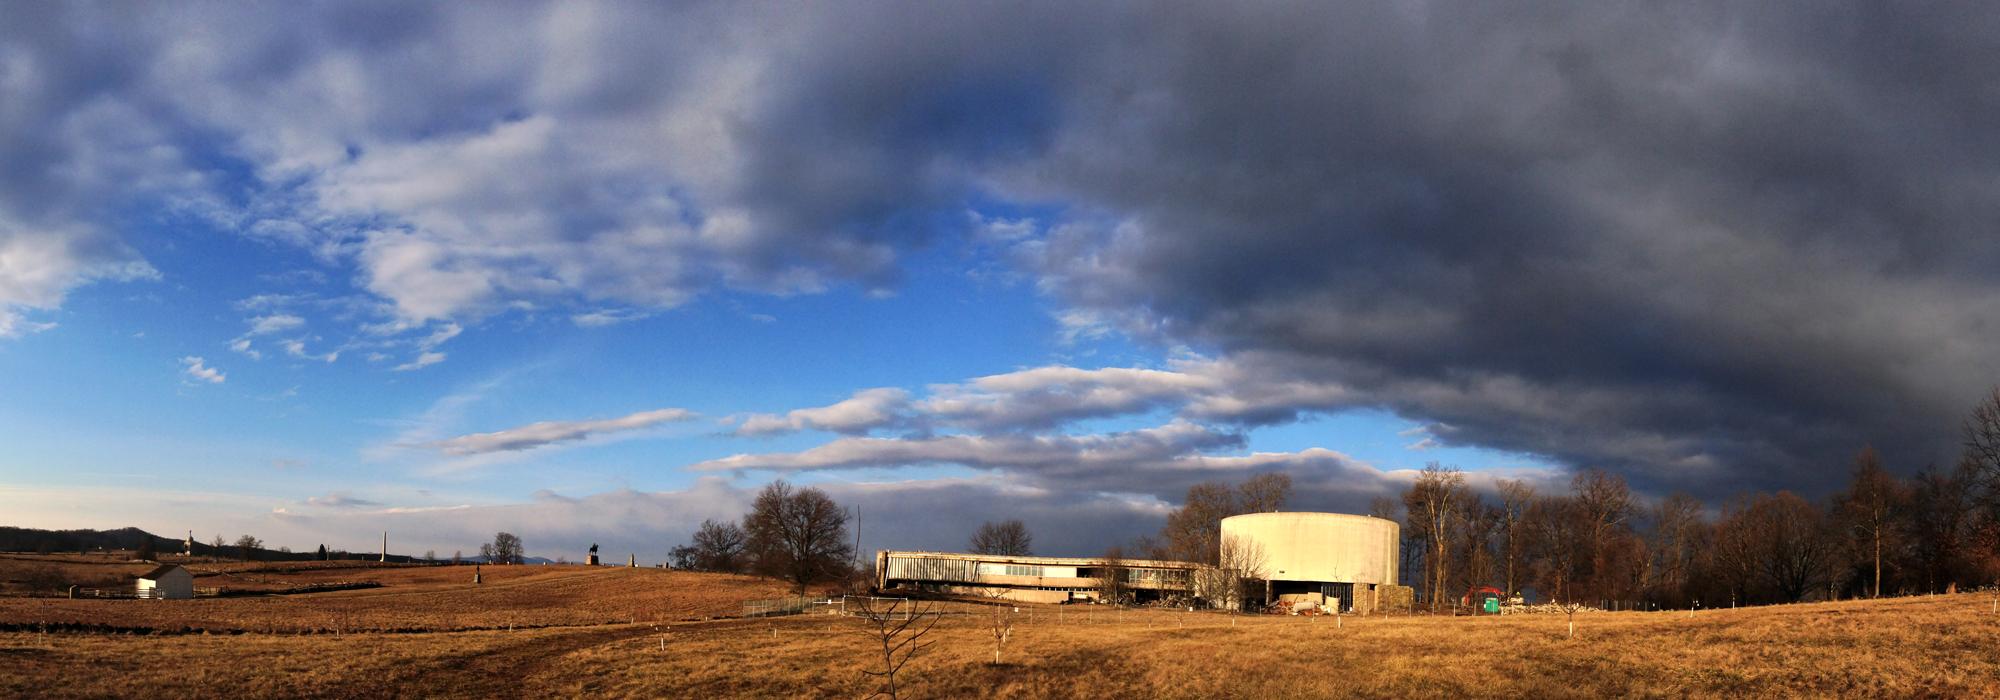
[[1710, 246]]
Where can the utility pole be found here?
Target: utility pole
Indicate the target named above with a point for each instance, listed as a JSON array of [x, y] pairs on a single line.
[[385, 546]]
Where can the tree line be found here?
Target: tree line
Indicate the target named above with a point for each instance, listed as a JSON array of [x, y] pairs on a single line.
[[1597, 543]]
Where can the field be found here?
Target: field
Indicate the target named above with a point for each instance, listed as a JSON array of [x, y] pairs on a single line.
[[644, 632]]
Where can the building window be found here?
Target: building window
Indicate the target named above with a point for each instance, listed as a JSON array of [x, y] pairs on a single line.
[[1023, 570]]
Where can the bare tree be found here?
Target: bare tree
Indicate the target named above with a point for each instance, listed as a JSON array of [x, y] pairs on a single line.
[[246, 547], [1193, 530], [717, 546], [1982, 437], [1788, 541], [1264, 493], [1677, 526], [1240, 562], [900, 633], [1431, 503], [1476, 525], [1002, 629], [1733, 558], [797, 535], [1009, 537], [504, 549], [1941, 520], [1151, 547], [1604, 502], [1384, 507], [1871, 508], [1515, 497], [1112, 583]]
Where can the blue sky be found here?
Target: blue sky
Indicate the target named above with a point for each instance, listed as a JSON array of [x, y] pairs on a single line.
[[597, 271], [106, 403]]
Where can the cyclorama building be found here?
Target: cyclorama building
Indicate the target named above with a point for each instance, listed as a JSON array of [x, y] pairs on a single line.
[[1029, 579], [1324, 558]]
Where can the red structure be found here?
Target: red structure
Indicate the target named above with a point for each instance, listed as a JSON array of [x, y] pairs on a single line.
[[1476, 596]]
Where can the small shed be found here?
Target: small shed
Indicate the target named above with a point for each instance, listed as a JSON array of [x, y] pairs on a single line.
[[168, 582]]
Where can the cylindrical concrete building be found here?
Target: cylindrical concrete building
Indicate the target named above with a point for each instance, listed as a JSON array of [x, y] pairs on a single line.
[[1321, 557]]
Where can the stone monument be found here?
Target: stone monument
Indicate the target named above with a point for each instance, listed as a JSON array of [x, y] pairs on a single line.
[[592, 560]]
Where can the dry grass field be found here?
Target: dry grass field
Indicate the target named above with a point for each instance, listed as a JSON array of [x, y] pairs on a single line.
[[574, 637], [411, 599]]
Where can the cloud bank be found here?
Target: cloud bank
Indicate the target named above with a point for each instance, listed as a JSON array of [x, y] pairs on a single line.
[[533, 435]]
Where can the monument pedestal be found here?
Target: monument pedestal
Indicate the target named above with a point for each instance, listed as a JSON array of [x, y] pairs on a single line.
[[590, 561]]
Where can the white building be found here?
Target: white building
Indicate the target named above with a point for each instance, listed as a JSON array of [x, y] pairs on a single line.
[[1322, 558], [168, 582]]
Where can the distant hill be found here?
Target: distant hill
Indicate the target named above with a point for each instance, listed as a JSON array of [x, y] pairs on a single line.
[[22, 539]]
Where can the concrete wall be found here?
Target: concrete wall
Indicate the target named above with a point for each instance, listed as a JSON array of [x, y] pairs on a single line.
[[1321, 546]]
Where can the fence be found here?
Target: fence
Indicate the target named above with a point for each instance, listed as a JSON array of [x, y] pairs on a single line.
[[781, 606], [852, 605], [148, 594]]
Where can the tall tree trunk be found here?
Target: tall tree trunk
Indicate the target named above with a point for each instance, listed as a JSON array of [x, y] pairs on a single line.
[[1878, 562]]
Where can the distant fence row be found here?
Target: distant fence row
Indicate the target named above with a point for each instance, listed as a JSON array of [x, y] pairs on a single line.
[[150, 593], [835, 605]]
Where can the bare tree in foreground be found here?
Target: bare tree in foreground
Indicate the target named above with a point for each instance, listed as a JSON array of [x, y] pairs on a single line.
[[1003, 628], [900, 632], [1009, 537]]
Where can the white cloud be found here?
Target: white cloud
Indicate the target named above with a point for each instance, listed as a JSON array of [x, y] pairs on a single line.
[[605, 317], [866, 410], [297, 348], [996, 229], [242, 346], [544, 433], [1043, 453], [1080, 325], [275, 323], [38, 268], [340, 499], [197, 370], [423, 360], [1197, 388]]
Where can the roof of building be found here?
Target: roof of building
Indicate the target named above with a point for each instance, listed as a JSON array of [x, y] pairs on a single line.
[[159, 571], [1047, 561]]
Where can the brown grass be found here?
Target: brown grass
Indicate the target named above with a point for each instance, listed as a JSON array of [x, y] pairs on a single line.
[[414, 598], [1911, 647], [1915, 647]]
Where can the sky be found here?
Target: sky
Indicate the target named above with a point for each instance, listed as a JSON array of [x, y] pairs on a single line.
[[594, 272]]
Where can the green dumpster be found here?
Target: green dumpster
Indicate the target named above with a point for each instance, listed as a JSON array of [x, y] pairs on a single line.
[[1493, 605]]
